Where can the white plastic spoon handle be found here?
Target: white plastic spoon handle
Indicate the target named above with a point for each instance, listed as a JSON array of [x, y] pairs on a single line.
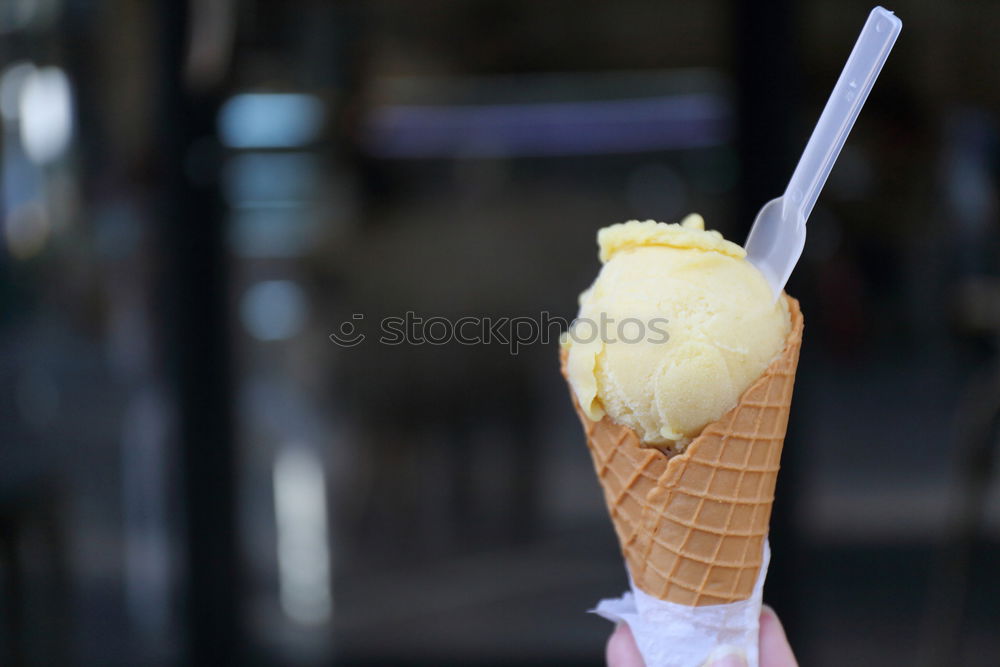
[[837, 119]]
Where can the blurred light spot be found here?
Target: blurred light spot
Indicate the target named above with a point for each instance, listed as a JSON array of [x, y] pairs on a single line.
[[301, 518], [656, 191], [11, 82], [555, 128], [271, 178], [270, 120], [37, 397], [46, 114], [273, 309], [26, 229], [273, 231]]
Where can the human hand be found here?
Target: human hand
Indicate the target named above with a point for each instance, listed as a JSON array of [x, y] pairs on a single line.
[[774, 649]]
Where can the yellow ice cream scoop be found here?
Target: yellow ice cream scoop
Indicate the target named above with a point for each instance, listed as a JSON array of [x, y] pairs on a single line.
[[674, 329]]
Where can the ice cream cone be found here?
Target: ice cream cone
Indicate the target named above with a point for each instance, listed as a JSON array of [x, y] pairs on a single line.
[[692, 525]]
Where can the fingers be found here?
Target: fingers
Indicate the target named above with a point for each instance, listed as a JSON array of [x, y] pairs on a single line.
[[622, 650], [774, 648]]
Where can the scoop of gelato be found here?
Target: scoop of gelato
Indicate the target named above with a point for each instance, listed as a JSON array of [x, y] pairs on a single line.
[[677, 325]]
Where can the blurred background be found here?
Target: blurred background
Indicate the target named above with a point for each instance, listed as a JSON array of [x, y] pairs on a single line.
[[195, 195]]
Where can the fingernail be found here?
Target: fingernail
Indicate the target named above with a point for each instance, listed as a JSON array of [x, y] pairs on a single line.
[[727, 656]]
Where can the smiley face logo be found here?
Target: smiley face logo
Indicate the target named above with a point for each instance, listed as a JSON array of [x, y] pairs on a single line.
[[347, 334]]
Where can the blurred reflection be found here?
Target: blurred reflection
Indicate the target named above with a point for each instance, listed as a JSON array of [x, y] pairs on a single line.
[[271, 120], [640, 123], [45, 110], [273, 310], [253, 179], [300, 513], [279, 230]]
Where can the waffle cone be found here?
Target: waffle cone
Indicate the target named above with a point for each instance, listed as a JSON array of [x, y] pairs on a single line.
[[692, 525]]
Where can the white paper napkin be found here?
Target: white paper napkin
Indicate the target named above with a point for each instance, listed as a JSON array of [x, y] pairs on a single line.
[[676, 635]]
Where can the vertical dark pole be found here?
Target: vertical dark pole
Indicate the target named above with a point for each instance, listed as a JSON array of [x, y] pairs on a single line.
[[765, 70], [193, 286], [765, 76], [12, 611]]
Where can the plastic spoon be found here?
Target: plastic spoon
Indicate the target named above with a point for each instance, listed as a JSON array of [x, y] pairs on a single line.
[[779, 232]]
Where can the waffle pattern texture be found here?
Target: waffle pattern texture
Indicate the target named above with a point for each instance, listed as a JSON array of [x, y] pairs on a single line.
[[692, 525]]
